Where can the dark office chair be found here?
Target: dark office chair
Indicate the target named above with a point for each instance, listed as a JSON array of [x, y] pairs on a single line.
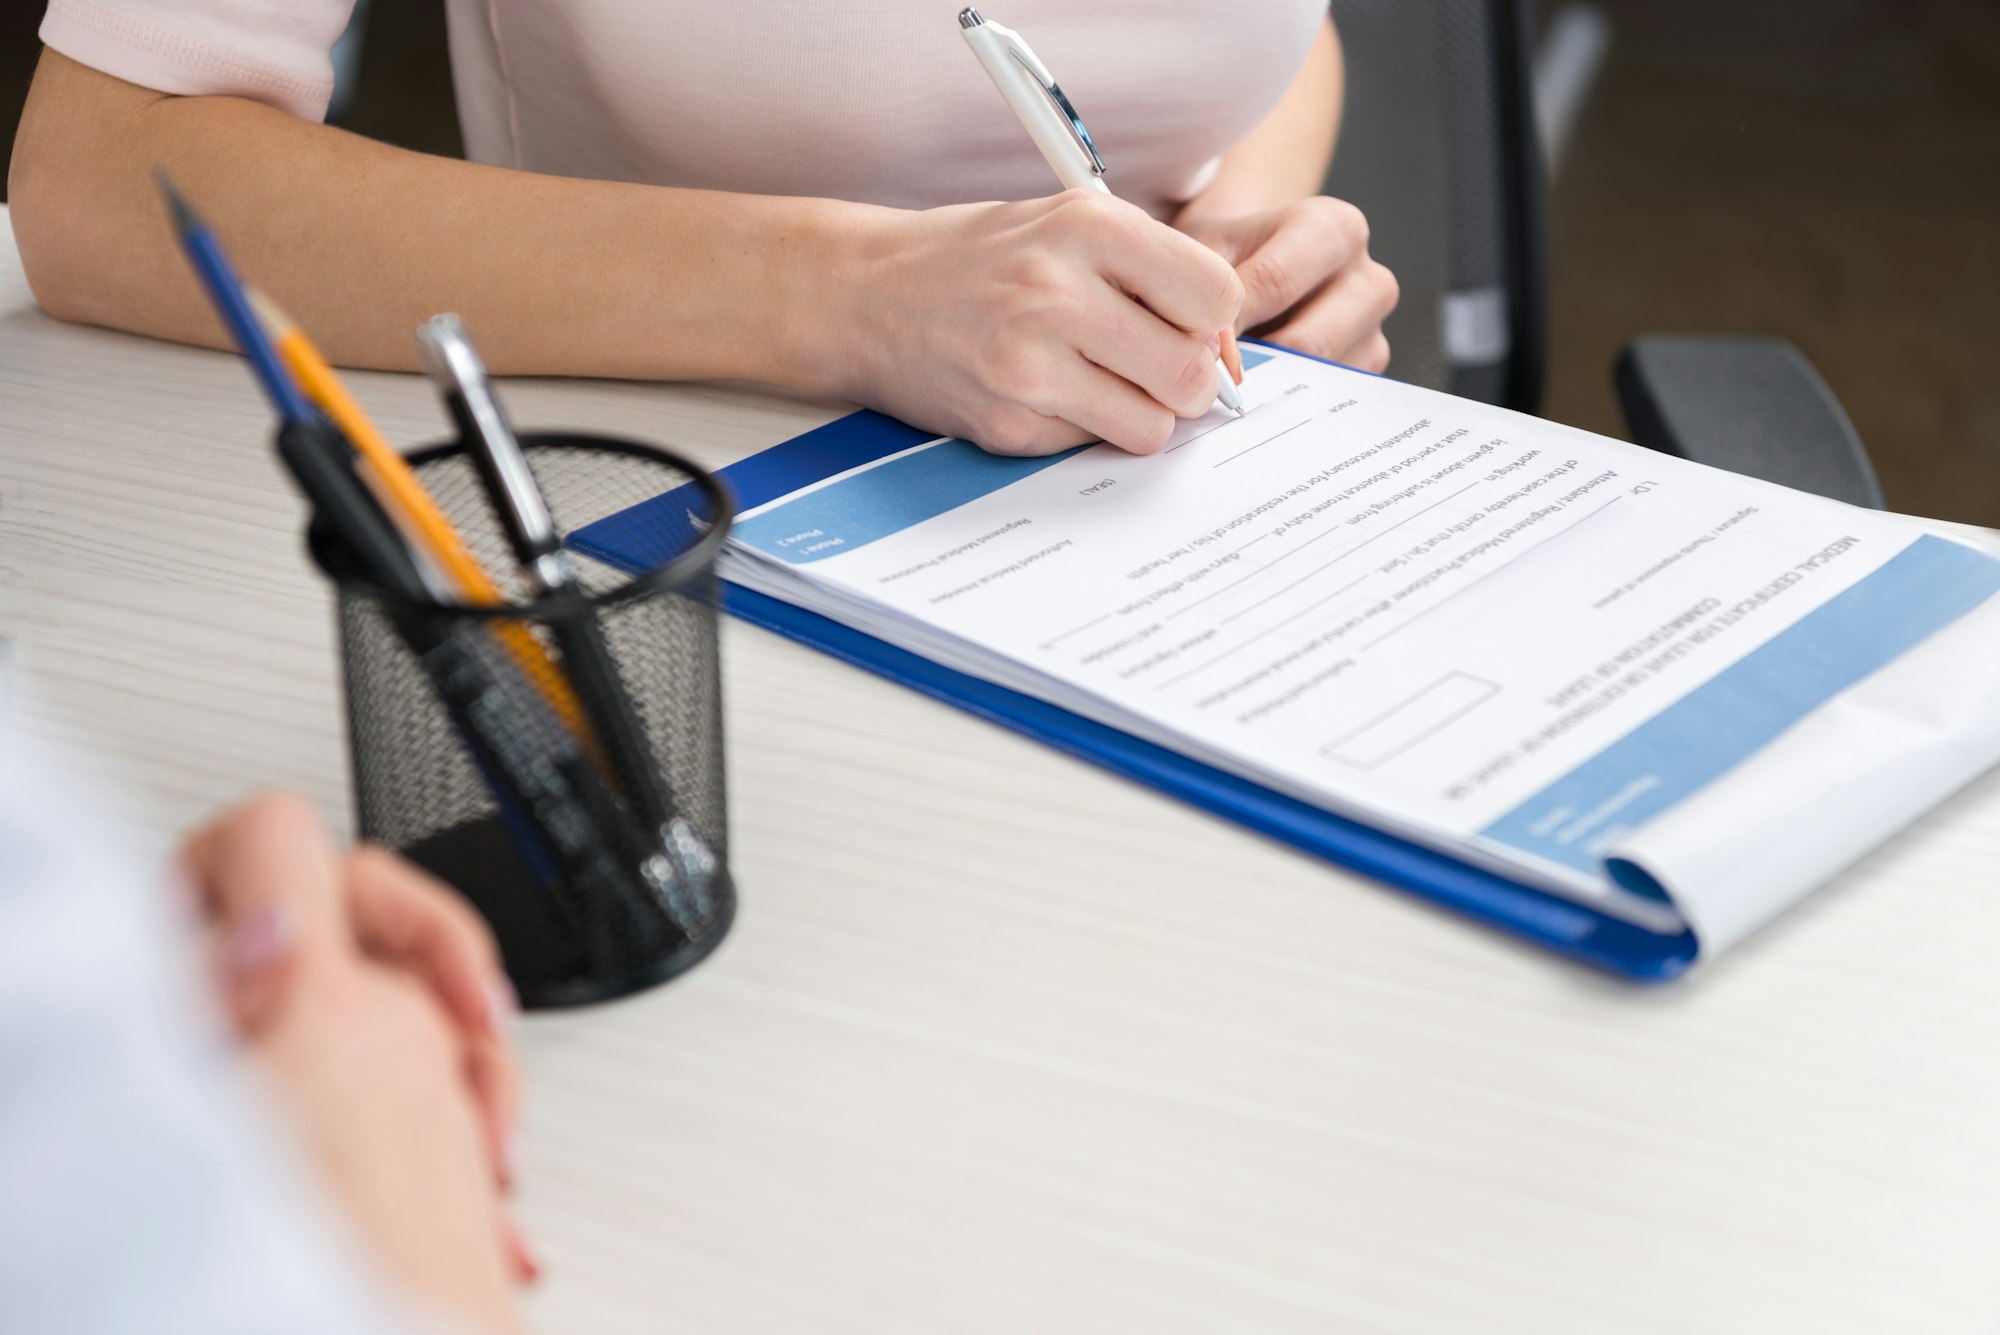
[[1438, 148]]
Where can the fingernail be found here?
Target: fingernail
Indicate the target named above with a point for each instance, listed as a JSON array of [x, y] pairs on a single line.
[[260, 941], [526, 1263], [502, 1004]]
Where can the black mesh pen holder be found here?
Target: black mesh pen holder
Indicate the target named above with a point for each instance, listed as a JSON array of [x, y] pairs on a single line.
[[574, 795]]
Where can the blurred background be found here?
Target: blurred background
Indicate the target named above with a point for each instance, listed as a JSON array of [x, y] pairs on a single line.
[[1827, 171]]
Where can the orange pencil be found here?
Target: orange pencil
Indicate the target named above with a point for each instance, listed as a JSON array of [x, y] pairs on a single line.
[[411, 506]]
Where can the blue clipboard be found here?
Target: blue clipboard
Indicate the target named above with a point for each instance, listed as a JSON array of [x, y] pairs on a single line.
[[860, 438]]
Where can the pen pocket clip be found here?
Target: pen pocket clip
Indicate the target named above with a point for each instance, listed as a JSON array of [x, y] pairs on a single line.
[[1060, 100]]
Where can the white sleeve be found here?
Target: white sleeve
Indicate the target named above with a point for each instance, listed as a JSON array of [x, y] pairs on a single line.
[[274, 51], [144, 1186]]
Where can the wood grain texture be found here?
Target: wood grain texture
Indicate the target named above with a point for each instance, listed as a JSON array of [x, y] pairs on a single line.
[[1003, 1044]]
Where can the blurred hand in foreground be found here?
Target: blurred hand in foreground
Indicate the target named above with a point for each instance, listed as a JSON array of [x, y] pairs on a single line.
[[372, 999]]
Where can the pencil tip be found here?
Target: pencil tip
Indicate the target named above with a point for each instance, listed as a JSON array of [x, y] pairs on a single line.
[[185, 220]]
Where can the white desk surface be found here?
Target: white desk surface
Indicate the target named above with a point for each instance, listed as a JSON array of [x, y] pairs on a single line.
[[1001, 1043]]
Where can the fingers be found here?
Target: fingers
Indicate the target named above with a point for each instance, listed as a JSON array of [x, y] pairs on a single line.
[[520, 1256], [1053, 397], [1172, 367], [1176, 277], [413, 922], [266, 878], [1371, 354], [403, 916], [1087, 319], [495, 1082], [272, 848], [1343, 323], [1307, 244], [276, 894], [1118, 412], [1021, 433], [1086, 403]]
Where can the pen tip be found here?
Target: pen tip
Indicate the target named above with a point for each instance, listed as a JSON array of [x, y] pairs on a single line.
[[185, 220]]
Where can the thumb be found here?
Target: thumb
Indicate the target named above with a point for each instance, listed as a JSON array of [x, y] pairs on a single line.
[[1244, 241]]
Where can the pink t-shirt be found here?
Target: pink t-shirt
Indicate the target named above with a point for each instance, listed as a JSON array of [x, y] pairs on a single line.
[[872, 100]]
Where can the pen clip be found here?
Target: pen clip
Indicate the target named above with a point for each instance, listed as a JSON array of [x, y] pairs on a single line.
[[1053, 90]]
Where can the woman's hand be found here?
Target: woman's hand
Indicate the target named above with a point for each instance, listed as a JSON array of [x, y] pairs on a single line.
[[1030, 327], [395, 914], [1308, 280], [362, 990]]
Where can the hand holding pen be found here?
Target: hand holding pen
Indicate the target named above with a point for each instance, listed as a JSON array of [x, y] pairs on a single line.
[[1067, 322], [1027, 327], [1052, 121], [1309, 282]]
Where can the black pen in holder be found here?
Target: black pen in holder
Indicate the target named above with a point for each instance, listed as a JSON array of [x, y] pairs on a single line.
[[576, 802]]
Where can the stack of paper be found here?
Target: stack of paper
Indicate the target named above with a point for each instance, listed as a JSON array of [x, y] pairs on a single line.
[[1676, 695]]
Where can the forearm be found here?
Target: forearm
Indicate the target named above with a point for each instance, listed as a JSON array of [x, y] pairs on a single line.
[[1285, 158], [362, 241]]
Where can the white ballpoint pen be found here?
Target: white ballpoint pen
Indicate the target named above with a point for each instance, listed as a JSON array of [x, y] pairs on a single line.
[[1046, 114]]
